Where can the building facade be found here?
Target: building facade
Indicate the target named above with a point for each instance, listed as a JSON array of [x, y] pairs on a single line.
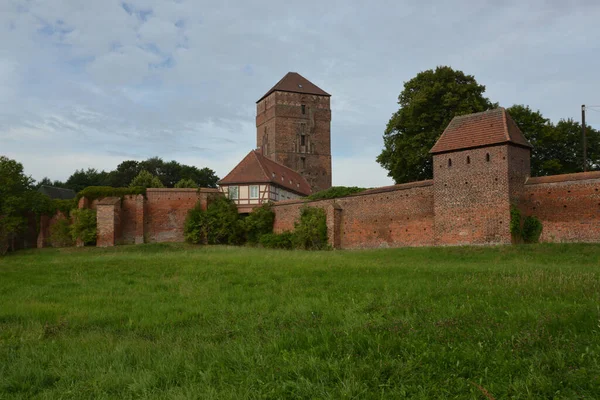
[[293, 128]]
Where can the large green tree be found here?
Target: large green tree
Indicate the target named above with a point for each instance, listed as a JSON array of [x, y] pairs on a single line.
[[557, 148], [428, 103]]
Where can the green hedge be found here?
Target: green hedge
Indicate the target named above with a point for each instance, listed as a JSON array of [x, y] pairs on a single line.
[[528, 230], [259, 223], [334, 192], [84, 225], [283, 240]]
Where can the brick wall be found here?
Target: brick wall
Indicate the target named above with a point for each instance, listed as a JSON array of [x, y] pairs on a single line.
[[472, 202], [568, 206], [166, 210], [394, 216]]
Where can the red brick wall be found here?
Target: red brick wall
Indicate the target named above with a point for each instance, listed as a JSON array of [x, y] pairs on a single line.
[[568, 206], [280, 114], [472, 204], [394, 216], [166, 210]]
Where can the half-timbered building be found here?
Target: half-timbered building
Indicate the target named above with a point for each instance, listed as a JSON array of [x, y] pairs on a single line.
[[258, 179]]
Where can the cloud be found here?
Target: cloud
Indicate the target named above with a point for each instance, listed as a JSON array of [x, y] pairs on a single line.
[[87, 84]]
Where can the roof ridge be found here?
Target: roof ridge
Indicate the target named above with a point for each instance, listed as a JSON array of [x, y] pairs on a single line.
[[260, 162], [505, 124]]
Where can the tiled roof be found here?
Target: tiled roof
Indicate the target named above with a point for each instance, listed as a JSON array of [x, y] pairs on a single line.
[[480, 129], [57, 193], [296, 83], [256, 168]]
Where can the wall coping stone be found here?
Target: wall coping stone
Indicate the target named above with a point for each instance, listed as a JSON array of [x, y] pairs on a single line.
[[579, 176]]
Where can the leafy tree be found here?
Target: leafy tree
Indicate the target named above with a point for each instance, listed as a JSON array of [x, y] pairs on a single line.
[[557, 149], [15, 189], [146, 180], [124, 174], [84, 178], [428, 103], [219, 224], [186, 183]]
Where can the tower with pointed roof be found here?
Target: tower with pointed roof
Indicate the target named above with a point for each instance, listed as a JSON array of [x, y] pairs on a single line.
[[293, 128], [481, 162]]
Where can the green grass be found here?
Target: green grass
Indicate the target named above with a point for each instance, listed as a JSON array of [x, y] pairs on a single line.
[[175, 321]]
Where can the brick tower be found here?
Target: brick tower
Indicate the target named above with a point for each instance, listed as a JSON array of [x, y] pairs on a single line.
[[480, 163], [293, 127]]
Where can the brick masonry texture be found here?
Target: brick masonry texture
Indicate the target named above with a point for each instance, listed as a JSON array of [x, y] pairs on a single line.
[[280, 125], [568, 206], [395, 216]]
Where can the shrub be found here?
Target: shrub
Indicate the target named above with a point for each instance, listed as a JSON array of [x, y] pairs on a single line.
[[283, 240], [146, 180], [259, 223], [219, 224], [532, 229], [84, 225], [310, 231], [515, 222], [334, 192], [186, 183], [98, 192], [60, 233], [195, 227]]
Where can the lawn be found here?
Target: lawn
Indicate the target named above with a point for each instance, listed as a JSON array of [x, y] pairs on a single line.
[[176, 321]]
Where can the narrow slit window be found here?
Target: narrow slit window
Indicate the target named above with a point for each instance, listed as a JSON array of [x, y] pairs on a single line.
[[468, 160], [302, 140], [449, 162], [303, 109], [303, 161], [487, 157]]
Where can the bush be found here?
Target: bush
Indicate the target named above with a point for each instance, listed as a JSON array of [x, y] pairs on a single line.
[[195, 228], [186, 183], [334, 192], [99, 192], [529, 231], [219, 224], [60, 233], [283, 240], [84, 225], [310, 231], [259, 223], [532, 229], [146, 180]]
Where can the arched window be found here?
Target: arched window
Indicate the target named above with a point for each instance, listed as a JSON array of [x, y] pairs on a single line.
[[468, 160], [487, 157], [449, 162]]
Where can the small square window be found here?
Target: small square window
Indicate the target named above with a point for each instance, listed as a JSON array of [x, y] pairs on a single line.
[[254, 191], [233, 192]]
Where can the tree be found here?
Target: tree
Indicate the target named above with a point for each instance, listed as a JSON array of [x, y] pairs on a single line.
[[557, 149], [15, 187], [124, 174], [146, 180], [83, 178], [428, 103], [186, 183]]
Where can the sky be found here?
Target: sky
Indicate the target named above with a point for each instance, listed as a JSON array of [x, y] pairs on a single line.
[[88, 83]]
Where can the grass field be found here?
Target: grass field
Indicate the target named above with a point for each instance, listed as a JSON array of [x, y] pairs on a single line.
[[175, 321]]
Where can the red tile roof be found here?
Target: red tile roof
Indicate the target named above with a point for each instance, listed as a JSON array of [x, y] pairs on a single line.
[[256, 168], [295, 83], [480, 129]]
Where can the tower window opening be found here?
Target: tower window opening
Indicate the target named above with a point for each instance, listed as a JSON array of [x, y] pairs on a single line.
[[302, 140], [303, 109], [487, 157], [468, 160], [303, 161], [449, 162]]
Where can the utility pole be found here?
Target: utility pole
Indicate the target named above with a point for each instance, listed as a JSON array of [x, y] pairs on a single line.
[[584, 139]]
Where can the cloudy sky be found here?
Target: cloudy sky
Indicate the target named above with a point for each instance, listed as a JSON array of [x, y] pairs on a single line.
[[88, 83]]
